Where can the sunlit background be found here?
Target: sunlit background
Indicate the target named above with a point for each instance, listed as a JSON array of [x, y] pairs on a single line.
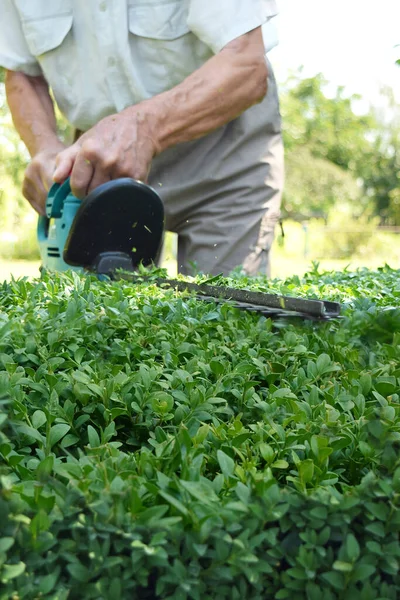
[[352, 42], [340, 100]]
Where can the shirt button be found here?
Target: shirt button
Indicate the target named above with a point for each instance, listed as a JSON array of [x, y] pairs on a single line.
[[103, 6], [111, 61]]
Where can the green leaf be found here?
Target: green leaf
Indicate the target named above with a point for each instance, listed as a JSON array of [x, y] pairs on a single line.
[[48, 582], [6, 543], [93, 436], [79, 572], [38, 419], [306, 470], [12, 571], [226, 463], [340, 565], [376, 529], [335, 579], [243, 492], [30, 432], [362, 572], [81, 377], [57, 432], [280, 464], [45, 467], [323, 361], [266, 452], [352, 548], [174, 502]]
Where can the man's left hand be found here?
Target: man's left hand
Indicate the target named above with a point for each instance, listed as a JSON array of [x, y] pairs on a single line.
[[121, 145]]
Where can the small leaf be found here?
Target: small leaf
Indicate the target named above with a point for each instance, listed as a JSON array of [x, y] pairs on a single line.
[[335, 579], [81, 377], [323, 361], [93, 436], [340, 565], [79, 572], [12, 571], [363, 572], [6, 543], [38, 419], [45, 467], [226, 463], [57, 432], [48, 582], [31, 432], [174, 502], [352, 547], [306, 470], [243, 492], [280, 464]]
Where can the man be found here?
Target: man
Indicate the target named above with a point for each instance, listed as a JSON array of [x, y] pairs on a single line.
[[174, 92]]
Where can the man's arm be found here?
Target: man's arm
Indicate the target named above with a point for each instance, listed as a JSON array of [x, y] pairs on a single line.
[[124, 144], [32, 110], [228, 84], [33, 115]]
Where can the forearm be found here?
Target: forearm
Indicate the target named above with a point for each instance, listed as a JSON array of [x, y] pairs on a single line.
[[227, 85], [32, 111]]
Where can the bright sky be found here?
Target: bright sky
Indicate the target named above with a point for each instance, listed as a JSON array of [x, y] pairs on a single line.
[[350, 41]]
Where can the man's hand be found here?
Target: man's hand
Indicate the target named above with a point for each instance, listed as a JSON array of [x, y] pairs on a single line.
[[121, 145], [39, 177]]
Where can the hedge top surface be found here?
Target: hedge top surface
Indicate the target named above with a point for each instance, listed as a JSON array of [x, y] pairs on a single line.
[[156, 446]]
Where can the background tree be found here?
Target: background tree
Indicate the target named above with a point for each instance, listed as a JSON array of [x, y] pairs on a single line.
[[322, 129]]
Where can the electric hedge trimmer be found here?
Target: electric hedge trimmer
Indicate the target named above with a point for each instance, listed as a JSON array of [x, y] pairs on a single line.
[[119, 226]]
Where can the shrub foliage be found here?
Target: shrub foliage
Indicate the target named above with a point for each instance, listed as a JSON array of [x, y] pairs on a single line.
[[155, 446]]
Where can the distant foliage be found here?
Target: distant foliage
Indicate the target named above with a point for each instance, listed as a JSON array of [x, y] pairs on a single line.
[[314, 186], [322, 130]]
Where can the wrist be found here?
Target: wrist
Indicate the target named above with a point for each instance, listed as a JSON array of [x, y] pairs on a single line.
[[47, 144], [151, 115]]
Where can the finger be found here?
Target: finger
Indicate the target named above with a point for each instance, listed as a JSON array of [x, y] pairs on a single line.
[[99, 177], [65, 163], [139, 171], [46, 177], [35, 197], [81, 176]]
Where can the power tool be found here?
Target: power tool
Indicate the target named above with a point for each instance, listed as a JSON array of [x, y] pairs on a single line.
[[119, 226]]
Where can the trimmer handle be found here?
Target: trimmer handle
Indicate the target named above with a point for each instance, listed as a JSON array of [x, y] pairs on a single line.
[[53, 228], [56, 198]]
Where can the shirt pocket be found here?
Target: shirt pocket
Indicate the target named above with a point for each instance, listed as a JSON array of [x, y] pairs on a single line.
[[158, 19], [45, 23]]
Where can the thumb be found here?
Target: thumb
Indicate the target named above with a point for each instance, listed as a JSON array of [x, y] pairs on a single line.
[[64, 164]]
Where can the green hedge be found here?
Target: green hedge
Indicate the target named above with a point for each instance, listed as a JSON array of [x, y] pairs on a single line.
[[153, 446]]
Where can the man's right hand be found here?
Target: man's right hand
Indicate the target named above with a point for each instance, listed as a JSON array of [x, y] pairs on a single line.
[[39, 177]]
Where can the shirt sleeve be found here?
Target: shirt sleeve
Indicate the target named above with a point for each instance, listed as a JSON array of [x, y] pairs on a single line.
[[14, 52], [225, 20]]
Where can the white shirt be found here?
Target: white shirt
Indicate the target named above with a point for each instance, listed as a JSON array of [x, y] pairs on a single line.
[[100, 56]]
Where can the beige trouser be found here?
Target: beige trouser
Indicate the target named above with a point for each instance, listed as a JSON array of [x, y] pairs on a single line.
[[222, 193]]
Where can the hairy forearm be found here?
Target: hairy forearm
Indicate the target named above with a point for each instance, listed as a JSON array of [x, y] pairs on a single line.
[[227, 85], [32, 111]]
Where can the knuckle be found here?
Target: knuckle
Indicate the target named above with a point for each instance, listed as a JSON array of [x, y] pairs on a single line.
[[34, 165], [109, 160], [135, 171], [91, 150]]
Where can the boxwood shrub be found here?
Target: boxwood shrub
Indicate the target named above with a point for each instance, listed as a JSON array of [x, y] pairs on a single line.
[[154, 446]]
